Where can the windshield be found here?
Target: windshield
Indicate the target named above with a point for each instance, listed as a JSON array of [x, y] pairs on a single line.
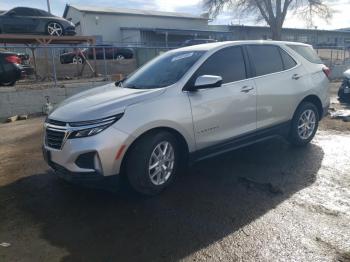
[[164, 70]]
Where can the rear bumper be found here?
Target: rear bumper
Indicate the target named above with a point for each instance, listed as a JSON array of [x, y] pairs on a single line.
[[28, 70]]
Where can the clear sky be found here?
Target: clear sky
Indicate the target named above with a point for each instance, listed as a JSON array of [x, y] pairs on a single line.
[[341, 18]]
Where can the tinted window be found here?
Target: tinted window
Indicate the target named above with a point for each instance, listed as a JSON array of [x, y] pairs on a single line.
[[43, 13], [266, 58], [307, 52], [164, 70], [288, 61], [227, 63], [24, 11]]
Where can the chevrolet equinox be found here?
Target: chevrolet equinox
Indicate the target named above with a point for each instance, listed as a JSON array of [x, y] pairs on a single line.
[[186, 105]]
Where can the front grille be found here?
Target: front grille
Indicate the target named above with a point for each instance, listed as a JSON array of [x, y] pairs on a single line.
[[55, 122], [54, 139]]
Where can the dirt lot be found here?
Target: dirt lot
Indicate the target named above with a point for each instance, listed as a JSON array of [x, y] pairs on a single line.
[[267, 202]]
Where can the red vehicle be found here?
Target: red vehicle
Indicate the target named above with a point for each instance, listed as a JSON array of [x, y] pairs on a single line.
[[13, 67]]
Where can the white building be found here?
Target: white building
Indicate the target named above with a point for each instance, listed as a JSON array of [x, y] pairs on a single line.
[[132, 26]]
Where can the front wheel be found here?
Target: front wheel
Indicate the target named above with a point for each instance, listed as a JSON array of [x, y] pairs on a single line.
[[304, 124], [11, 83], [153, 162], [54, 29]]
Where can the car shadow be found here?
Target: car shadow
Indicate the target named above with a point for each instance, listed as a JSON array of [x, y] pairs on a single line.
[[216, 198]]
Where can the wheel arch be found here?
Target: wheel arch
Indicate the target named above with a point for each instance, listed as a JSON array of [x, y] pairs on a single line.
[[314, 99], [54, 21], [179, 137]]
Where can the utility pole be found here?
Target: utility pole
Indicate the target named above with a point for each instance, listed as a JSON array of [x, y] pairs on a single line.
[[48, 6]]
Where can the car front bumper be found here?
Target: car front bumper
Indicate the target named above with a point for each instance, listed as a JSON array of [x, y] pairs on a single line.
[[108, 149], [69, 31]]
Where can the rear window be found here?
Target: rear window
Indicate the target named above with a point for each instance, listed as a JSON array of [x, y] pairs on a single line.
[[288, 61], [307, 52]]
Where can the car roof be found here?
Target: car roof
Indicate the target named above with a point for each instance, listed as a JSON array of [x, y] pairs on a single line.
[[217, 45]]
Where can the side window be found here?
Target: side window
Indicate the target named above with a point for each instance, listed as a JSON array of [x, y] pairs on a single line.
[[288, 61], [227, 63], [266, 58], [21, 11]]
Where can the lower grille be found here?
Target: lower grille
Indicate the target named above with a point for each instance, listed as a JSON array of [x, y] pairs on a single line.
[[54, 139]]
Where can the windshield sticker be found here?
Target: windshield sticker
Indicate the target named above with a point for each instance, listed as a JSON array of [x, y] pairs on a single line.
[[181, 57]]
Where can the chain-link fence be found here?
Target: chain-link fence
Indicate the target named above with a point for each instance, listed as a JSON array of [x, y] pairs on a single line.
[[58, 63], [112, 62]]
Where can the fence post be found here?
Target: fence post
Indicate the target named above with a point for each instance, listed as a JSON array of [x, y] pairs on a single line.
[[54, 66], [331, 59], [104, 61]]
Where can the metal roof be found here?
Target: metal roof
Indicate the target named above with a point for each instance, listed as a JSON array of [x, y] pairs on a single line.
[[127, 11]]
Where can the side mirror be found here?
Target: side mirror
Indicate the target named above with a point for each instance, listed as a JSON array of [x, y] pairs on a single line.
[[12, 13], [117, 83], [207, 81]]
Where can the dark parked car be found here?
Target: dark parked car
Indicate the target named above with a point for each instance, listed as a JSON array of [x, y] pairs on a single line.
[[111, 52], [198, 42], [13, 66], [34, 21]]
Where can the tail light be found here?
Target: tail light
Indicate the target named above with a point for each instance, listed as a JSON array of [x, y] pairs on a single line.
[[326, 71], [13, 59]]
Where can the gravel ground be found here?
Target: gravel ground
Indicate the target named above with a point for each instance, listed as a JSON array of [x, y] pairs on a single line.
[[266, 202]]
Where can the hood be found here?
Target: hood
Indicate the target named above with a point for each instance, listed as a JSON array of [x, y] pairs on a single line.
[[347, 73], [100, 102]]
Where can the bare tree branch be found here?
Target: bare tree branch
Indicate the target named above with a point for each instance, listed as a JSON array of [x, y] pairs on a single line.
[[274, 12]]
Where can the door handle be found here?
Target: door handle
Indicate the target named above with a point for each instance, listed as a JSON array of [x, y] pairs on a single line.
[[296, 76], [246, 89]]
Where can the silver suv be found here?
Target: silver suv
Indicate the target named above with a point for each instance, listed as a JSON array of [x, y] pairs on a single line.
[[187, 105]]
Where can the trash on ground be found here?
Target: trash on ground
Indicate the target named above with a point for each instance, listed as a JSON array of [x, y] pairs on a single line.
[[23, 117], [12, 118], [4, 244], [340, 114]]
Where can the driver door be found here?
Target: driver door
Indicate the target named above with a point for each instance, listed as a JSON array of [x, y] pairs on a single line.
[[222, 113]]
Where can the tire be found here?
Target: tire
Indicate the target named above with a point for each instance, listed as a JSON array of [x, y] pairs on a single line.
[[12, 83], [120, 57], [77, 60], [141, 158], [54, 29], [303, 129]]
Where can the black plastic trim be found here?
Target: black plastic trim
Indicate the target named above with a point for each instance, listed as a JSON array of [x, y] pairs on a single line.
[[280, 130]]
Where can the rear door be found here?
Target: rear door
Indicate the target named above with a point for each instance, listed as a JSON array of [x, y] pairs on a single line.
[[222, 113], [279, 81]]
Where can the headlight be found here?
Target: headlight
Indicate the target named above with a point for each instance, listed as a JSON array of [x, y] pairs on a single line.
[[91, 127]]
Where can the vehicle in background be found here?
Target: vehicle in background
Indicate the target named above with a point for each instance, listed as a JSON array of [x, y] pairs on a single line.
[[25, 20], [78, 56], [344, 89], [13, 67], [198, 42], [188, 104]]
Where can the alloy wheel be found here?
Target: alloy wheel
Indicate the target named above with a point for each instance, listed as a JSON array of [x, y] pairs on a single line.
[[120, 57], [77, 60], [54, 29], [161, 163], [306, 124]]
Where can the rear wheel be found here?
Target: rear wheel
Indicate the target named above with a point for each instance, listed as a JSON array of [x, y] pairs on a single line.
[[77, 60], [120, 57], [304, 124], [153, 162], [11, 83]]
